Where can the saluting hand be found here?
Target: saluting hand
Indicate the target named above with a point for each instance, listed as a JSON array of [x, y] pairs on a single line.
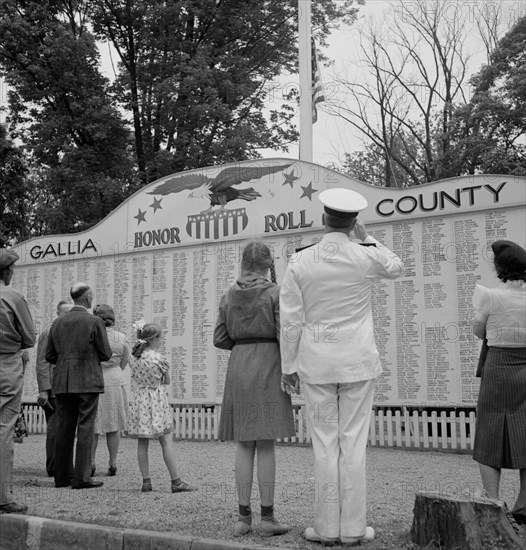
[[359, 230]]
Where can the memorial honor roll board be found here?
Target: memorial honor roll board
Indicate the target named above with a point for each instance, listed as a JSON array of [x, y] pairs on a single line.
[[170, 251]]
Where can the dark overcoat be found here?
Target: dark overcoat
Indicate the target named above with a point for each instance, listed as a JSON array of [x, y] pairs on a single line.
[[77, 344]]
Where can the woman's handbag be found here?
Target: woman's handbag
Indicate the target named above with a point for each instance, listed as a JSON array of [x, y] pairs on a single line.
[[20, 428], [482, 358]]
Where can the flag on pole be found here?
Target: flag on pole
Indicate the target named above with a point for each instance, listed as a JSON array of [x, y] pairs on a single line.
[[317, 85], [305, 64]]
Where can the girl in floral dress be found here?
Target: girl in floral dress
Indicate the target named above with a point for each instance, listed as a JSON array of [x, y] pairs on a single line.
[[150, 415]]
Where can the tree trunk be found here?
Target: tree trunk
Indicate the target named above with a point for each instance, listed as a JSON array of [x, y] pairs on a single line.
[[454, 523]]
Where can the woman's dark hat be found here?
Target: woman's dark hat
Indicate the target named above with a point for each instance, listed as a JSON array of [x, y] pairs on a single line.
[[509, 254], [104, 311]]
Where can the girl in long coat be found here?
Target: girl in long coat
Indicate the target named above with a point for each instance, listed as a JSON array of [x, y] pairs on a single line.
[[255, 411]]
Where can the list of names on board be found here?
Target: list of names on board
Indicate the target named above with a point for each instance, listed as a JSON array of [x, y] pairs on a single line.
[[422, 320]]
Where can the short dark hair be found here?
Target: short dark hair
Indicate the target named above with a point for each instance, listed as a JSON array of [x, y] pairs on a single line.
[[79, 290], [338, 222], [507, 272], [106, 313], [509, 260]]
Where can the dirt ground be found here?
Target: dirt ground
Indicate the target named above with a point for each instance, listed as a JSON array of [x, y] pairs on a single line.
[[393, 475]]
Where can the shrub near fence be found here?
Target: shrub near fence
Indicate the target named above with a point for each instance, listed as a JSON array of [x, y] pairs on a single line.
[[447, 429]]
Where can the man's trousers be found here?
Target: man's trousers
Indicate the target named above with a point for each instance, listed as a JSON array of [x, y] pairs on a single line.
[[11, 384], [51, 429], [339, 416], [75, 411]]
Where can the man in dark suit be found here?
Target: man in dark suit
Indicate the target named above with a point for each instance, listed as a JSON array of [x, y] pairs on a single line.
[[77, 344]]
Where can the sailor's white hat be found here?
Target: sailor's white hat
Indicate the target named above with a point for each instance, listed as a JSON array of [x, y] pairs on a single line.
[[342, 202]]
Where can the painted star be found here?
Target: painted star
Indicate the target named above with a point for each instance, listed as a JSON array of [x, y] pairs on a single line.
[[308, 191], [140, 216], [156, 205], [290, 179]]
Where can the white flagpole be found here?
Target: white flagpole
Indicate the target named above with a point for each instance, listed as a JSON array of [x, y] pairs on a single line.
[[305, 73]]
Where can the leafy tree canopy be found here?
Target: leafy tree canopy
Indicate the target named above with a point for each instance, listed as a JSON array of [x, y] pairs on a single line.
[[14, 192], [190, 90], [61, 112], [195, 75], [493, 124]]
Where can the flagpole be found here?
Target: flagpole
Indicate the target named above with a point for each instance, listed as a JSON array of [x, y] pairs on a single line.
[[305, 79]]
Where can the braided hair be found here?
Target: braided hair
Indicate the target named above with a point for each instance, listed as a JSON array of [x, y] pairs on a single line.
[[273, 272], [145, 336], [257, 257]]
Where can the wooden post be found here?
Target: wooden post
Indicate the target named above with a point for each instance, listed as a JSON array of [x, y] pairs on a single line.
[[449, 522]]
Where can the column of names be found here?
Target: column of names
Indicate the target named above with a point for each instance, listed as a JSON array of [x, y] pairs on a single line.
[[467, 244], [409, 380], [202, 325], [383, 323], [181, 368]]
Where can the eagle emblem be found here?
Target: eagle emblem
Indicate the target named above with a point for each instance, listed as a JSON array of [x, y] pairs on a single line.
[[220, 189]]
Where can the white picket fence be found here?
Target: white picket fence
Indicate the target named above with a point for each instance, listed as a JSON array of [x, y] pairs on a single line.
[[404, 428]]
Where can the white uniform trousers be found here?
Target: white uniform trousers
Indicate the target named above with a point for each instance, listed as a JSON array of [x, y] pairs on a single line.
[[339, 417]]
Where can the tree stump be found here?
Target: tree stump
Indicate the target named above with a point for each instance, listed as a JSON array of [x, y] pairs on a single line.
[[458, 524]]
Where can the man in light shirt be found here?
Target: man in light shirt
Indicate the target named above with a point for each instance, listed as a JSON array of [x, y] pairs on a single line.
[[17, 333], [327, 342]]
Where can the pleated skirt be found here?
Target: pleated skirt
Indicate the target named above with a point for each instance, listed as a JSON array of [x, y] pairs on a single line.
[[500, 436]]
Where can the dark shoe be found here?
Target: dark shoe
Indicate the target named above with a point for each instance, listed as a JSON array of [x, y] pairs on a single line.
[[93, 470], [182, 487], [270, 527], [242, 527], [60, 485], [88, 485], [112, 470], [13, 508], [519, 515], [146, 487]]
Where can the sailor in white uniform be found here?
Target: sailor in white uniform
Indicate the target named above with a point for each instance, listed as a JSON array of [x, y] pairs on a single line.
[[327, 343]]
